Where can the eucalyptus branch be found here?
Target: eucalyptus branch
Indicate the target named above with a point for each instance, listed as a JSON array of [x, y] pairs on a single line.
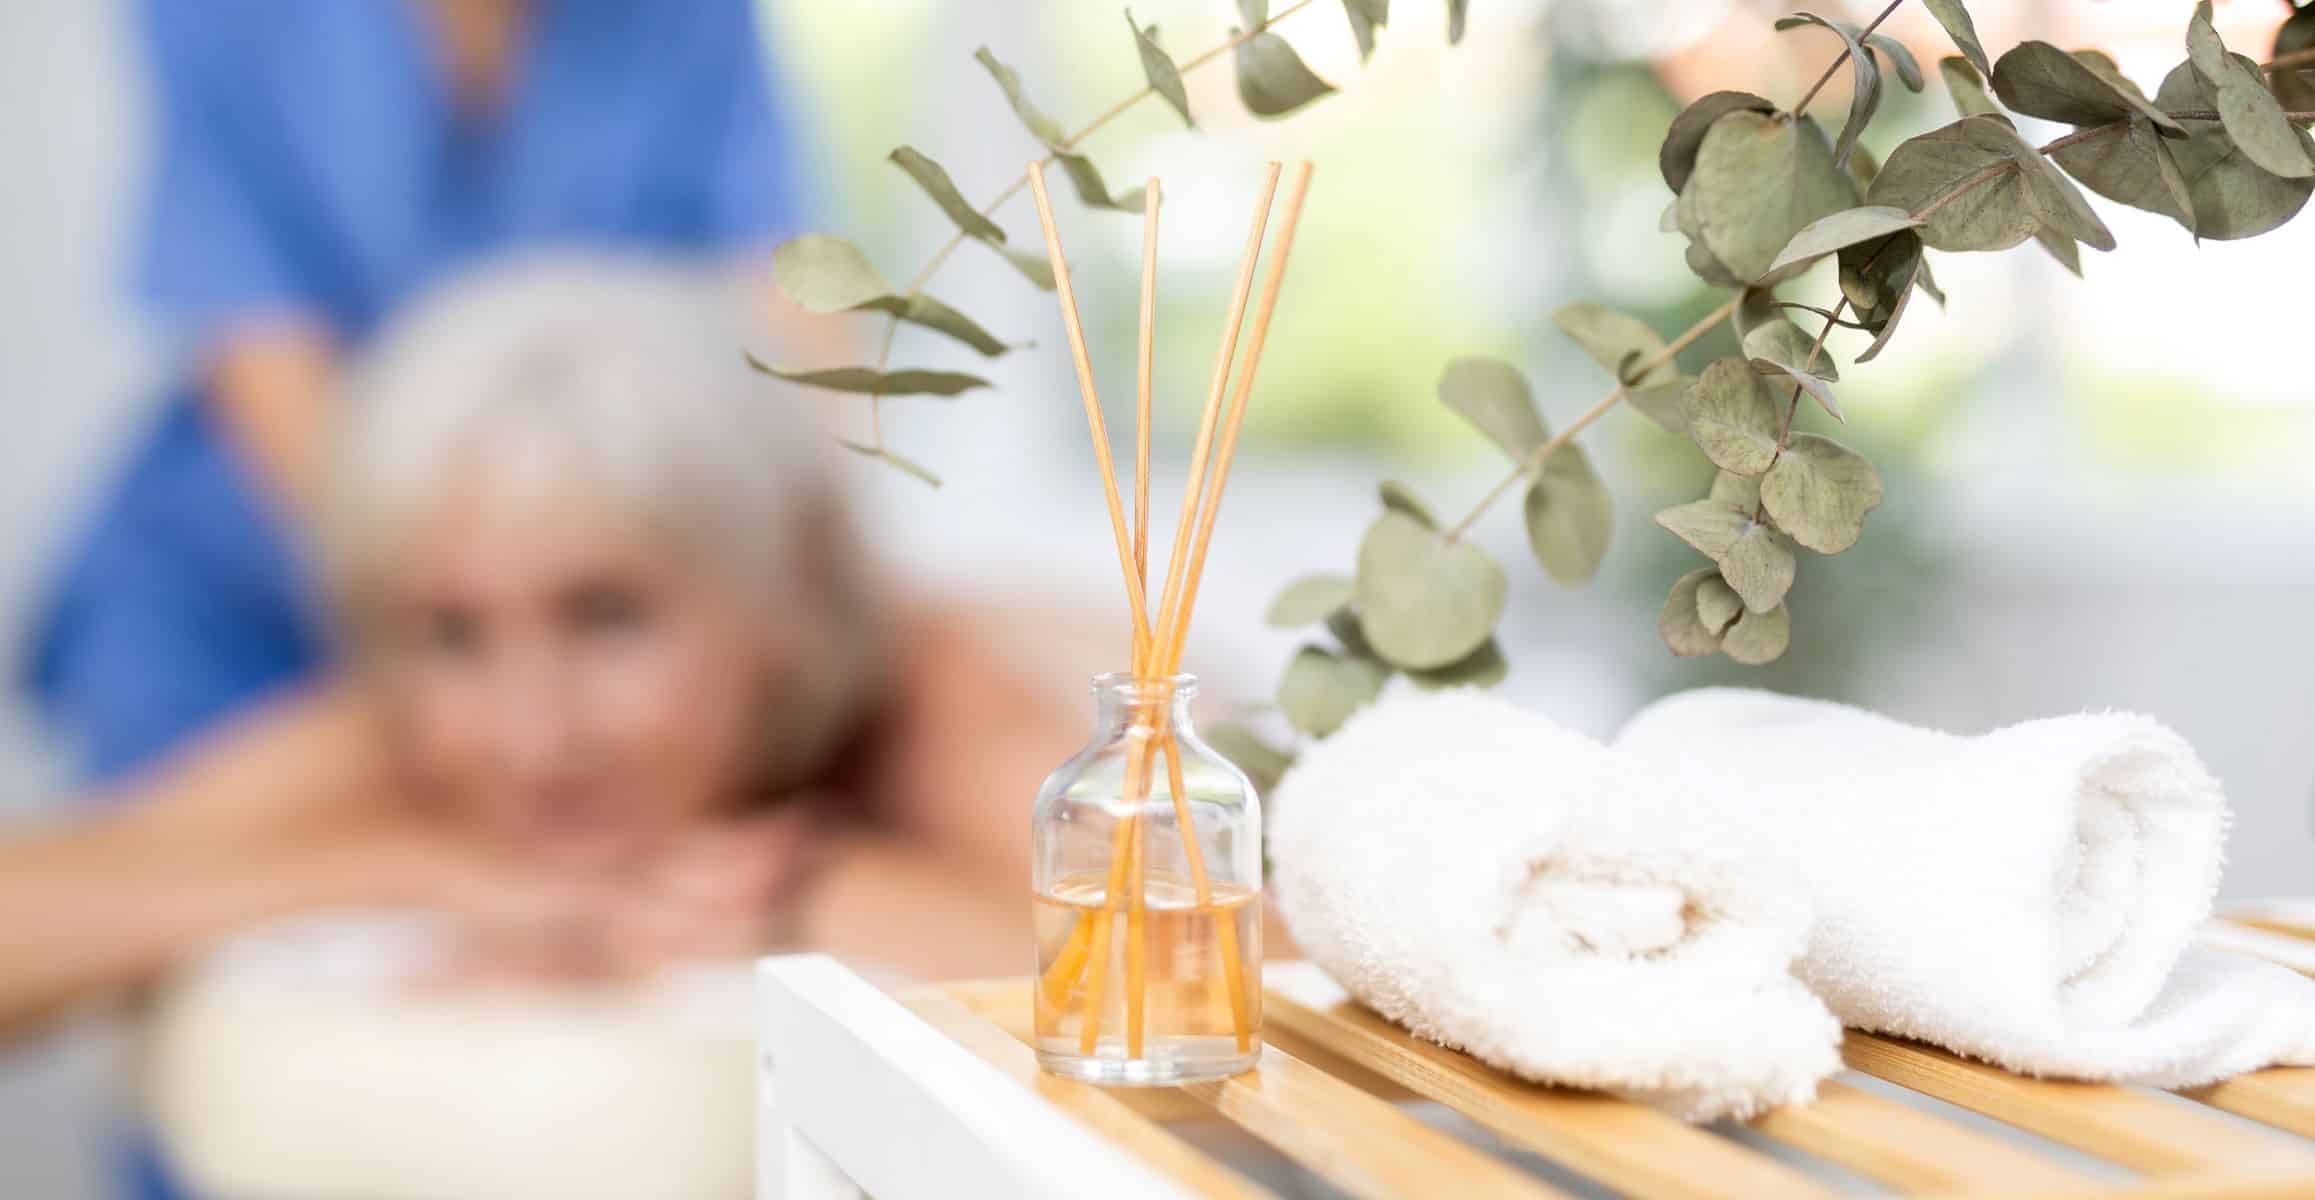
[[2296, 58], [1536, 459], [1832, 315], [1843, 57], [1114, 111], [1792, 406]]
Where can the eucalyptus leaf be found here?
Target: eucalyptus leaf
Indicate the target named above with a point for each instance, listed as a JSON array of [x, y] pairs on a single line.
[[2040, 80], [869, 381], [1784, 349], [905, 466], [2253, 119], [1863, 167], [1484, 667], [1424, 601], [923, 310], [1874, 274], [2055, 199], [1398, 497], [1366, 16], [2060, 247], [1046, 130], [1967, 87], [1091, 191], [1321, 690], [1992, 214], [1755, 307], [1819, 492], [1158, 68], [1676, 158], [1847, 227], [1759, 565], [1759, 180], [1908, 67], [1612, 339], [1493, 396], [2233, 196], [1263, 764], [2133, 166], [935, 181], [1679, 625], [1343, 624], [1664, 403], [1878, 277], [1864, 97], [1758, 638], [1735, 491], [1033, 265], [2295, 88], [1457, 11], [1708, 525], [1568, 515], [1962, 30], [1309, 600], [1272, 79], [1717, 605], [824, 273], [1732, 418]]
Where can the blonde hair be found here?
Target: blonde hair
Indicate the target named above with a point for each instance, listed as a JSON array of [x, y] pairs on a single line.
[[625, 376]]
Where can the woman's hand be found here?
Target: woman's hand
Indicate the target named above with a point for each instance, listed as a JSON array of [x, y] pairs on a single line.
[[720, 891]]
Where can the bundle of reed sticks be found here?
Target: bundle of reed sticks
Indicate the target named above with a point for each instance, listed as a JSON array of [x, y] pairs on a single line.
[[1156, 651]]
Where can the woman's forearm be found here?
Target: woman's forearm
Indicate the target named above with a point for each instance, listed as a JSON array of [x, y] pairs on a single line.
[[270, 387], [93, 910]]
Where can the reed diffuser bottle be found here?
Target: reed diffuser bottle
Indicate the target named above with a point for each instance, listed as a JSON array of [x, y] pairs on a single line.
[[1148, 893], [1147, 881]]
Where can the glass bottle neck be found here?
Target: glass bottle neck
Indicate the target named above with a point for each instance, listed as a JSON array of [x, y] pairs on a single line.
[[1123, 702]]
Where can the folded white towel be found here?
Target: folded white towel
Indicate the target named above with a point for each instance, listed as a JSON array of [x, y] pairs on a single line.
[[2024, 897], [1500, 885]]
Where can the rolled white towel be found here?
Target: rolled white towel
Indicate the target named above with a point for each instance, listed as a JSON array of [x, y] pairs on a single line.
[[1506, 887], [2024, 897]]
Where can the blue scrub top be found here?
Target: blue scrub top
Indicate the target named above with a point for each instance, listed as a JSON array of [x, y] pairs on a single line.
[[310, 163]]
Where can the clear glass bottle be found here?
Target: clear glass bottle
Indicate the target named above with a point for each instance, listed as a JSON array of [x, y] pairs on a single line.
[[1148, 893]]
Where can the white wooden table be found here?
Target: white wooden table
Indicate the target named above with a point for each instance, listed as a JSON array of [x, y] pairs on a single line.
[[935, 1093]]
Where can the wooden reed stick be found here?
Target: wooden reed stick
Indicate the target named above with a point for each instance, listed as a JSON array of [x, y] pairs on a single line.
[[1092, 398], [1122, 849], [1178, 623], [1176, 618], [1136, 942], [1202, 448], [1141, 432], [1200, 452]]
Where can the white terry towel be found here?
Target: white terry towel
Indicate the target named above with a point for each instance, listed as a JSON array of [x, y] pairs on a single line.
[[1502, 886], [2026, 897]]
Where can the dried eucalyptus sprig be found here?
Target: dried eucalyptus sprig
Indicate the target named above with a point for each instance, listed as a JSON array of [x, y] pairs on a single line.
[[824, 273], [1761, 194]]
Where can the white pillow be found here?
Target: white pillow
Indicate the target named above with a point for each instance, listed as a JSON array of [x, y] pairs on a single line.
[[297, 1064]]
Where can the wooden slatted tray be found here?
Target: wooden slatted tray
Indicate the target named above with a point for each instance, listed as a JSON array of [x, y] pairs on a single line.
[[1333, 1090]]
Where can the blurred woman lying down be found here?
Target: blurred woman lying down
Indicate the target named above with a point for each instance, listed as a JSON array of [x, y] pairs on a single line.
[[618, 695]]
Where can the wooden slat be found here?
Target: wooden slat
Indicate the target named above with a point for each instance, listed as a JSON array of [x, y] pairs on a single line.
[[1625, 1146], [2283, 1097], [1362, 1145], [2291, 918], [1328, 1124], [2140, 1130], [2253, 1184], [1092, 1105], [1907, 1148]]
